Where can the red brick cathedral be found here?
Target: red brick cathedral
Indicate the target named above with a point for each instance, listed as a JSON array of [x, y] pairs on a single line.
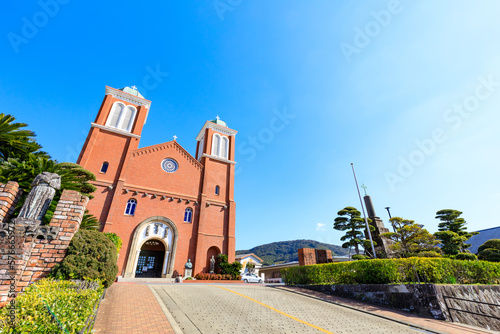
[[165, 204]]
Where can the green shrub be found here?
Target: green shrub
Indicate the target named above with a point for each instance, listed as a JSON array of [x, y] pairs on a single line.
[[360, 257], [91, 255], [489, 254], [226, 268], [403, 270], [466, 256], [115, 239], [428, 254], [492, 243], [72, 303]]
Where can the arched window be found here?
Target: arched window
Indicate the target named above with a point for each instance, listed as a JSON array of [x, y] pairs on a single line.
[[215, 144], [220, 146], [188, 215], [217, 190], [224, 147], [104, 167], [131, 205], [121, 117]]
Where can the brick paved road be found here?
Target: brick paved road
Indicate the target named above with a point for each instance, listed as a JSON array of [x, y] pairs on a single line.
[[258, 309]]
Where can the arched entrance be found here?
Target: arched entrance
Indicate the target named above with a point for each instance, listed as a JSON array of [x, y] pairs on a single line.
[[158, 229], [151, 258]]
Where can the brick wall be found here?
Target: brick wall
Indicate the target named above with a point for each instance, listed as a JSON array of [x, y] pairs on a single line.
[[308, 256], [9, 194], [29, 250]]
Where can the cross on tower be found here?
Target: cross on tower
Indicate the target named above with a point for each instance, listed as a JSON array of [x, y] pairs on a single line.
[[218, 118], [364, 188], [134, 87], [175, 138]]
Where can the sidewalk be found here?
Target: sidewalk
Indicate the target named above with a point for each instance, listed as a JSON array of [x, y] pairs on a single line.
[[130, 308], [438, 326]]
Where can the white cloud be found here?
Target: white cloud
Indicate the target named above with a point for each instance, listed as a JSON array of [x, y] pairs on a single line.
[[320, 227]]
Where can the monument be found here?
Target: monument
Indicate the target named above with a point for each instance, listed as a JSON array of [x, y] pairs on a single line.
[[188, 269], [382, 243]]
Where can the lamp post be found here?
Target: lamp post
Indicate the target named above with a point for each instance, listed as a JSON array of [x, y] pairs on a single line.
[[364, 214], [389, 212]]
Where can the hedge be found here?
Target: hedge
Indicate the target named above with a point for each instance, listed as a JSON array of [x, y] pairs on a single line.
[[72, 303], [91, 255], [404, 270]]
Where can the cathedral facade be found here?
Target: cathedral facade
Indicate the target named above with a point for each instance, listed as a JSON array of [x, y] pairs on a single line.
[[168, 206]]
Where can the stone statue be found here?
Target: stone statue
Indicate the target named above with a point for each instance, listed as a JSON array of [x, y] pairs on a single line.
[[212, 265], [189, 265], [43, 189]]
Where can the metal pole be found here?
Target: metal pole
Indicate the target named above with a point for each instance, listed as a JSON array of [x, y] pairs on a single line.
[[390, 217], [364, 214]]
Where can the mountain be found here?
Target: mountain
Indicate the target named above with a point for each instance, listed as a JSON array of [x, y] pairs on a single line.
[[286, 251]]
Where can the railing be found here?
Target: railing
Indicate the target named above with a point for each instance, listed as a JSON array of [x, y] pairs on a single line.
[[89, 323], [465, 311]]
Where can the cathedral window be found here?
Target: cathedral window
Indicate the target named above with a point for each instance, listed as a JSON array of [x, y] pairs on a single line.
[[220, 146], [217, 190], [104, 167], [131, 205], [121, 117], [188, 215]]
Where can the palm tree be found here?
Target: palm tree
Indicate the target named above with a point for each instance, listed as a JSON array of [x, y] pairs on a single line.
[[16, 142]]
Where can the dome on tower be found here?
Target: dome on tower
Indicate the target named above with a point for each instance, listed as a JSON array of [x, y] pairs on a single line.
[[131, 90], [218, 121]]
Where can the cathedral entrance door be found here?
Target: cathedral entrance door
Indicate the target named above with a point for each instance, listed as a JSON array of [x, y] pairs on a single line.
[[151, 257]]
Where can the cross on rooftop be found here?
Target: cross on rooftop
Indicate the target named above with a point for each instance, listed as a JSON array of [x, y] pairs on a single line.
[[134, 87], [218, 118], [175, 137]]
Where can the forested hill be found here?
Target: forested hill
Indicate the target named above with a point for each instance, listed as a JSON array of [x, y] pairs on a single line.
[[286, 251]]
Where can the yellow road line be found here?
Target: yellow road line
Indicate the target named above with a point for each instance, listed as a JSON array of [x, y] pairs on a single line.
[[272, 308]]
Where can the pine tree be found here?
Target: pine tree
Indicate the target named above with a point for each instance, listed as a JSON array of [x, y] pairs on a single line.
[[452, 232], [350, 220], [410, 238]]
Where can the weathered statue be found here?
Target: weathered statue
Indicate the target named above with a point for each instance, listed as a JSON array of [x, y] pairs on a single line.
[[189, 265], [212, 265], [43, 189]]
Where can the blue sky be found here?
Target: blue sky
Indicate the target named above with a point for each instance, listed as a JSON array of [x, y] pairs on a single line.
[[409, 91]]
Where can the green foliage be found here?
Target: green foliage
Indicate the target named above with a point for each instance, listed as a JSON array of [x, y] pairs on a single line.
[[73, 177], [71, 302], [490, 251], [287, 251], [226, 268], [360, 257], [350, 220], [492, 243], [90, 255], [466, 256], [117, 241], [89, 222], [402, 270], [410, 238], [16, 142], [452, 232]]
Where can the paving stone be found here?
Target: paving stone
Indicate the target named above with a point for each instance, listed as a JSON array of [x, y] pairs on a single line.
[[210, 309]]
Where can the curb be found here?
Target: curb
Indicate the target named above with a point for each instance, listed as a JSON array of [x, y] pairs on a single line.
[[167, 313]]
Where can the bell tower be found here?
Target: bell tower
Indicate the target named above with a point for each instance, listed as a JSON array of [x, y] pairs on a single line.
[[114, 133], [215, 150]]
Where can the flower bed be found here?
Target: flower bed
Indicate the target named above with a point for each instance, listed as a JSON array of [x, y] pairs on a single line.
[[216, 277]]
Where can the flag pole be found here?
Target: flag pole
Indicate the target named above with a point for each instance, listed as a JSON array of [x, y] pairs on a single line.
[[364, 214]]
